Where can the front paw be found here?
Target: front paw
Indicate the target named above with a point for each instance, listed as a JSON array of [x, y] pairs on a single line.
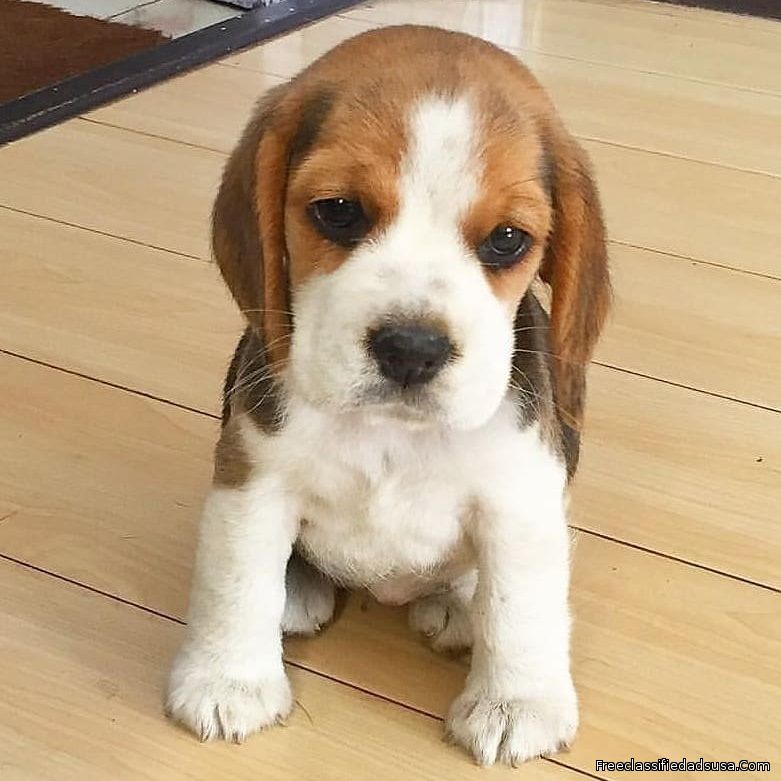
[[513, 730], [213, 705]]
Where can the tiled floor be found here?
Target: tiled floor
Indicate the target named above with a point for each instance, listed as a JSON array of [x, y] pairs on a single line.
[[173, 17], [115, 332]]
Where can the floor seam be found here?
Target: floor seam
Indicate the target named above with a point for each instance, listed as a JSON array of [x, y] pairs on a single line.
[[109, 383], [678, 156], [580, 137], [695, 260], [136, 242], [128, 10], [520, 51], [148, 134], [676, 559], [715, 394]]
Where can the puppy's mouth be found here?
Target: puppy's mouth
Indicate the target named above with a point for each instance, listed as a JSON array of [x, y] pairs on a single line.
[[415, 406]]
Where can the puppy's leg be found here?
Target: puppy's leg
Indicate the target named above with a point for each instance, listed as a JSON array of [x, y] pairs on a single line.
[[445, 616], [310, 598], [519, 701], [228, 679]]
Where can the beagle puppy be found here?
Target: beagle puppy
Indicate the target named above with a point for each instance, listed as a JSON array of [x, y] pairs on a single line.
[[401, 414]]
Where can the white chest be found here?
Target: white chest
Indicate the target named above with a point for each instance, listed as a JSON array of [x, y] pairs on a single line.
[[375, 502], [381, 503]]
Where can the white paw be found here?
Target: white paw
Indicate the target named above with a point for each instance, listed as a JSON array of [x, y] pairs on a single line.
[[214, 706], [513, 731], [444, 619], [309, 601]]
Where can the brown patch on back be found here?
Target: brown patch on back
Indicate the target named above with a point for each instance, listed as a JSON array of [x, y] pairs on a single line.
[[232, 465]]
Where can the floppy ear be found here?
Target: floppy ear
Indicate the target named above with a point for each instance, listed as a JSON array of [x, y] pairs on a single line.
[[575, 266], [248, 222]]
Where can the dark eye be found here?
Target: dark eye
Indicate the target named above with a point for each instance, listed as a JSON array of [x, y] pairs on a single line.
[[339, 220], [504, 247]]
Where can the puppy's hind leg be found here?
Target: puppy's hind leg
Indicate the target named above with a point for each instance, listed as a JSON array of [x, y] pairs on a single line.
[[444, 617], [309, 601]]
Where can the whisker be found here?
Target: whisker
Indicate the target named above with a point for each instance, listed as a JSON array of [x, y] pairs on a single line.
[[566, 415], [531, 328], [279, 418], [546, 354], [530, 390], [264, 309], [276, 341], [254, 378]]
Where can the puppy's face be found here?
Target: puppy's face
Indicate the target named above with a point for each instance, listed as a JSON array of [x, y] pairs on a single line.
[[408, 259], [402, 191]]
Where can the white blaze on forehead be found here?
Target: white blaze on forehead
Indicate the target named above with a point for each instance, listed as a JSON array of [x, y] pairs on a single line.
[[439, 173]]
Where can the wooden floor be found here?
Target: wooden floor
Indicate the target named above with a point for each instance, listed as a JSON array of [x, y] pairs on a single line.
[[115, 331]]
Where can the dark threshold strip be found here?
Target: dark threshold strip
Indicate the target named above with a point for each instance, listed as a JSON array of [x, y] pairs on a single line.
[[770, 9], [78, 94]]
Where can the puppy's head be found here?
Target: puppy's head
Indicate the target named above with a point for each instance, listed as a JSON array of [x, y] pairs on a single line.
[[386, 211]]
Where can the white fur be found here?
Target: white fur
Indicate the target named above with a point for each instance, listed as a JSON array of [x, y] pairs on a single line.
[[402, 500]]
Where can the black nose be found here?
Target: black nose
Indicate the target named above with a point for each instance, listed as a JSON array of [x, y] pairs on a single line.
[[409, 354]]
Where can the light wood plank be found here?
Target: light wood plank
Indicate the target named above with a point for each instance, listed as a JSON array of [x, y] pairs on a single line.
[[654, 37], [707, 327], [664, 114], [176, 342], [285, 56], [206, 107], [688, 208], [709, 123], [687, 474], [80, 699], [146, 189], [113, 504], [100, 483], [138, 317]]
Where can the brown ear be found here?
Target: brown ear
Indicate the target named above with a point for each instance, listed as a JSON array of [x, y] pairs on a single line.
[[248, 223], [575, 266]]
